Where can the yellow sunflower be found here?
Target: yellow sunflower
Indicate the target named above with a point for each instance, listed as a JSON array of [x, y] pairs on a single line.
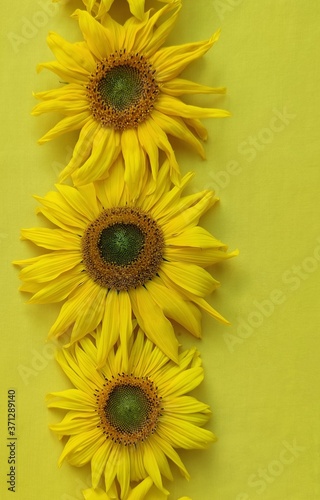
[[128, 417], [143, 491], [123, 95], [100, 7], [139, 492], [113, 254]]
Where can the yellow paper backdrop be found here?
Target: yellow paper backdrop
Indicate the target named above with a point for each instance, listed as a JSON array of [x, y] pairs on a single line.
[[263, 372]]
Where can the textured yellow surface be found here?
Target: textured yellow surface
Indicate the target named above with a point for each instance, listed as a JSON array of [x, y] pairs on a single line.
[[263, 372]]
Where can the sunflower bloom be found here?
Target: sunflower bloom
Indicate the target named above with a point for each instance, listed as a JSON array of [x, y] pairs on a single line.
[[100, 7], [123, 95], [143, 491], [113, 256], [128, 417], [139, 492]]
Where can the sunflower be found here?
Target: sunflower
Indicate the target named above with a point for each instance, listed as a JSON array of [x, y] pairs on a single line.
[[128, 417], [139, 492], [113, 254], [143, 491], [99, 7], [123, 95]]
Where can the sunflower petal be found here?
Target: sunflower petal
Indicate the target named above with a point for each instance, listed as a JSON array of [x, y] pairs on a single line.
[[110, 327], [163, 143], [125, 325], [162, 31], [210, 310], [169, 105], [70, 92], [195, 237], [175, 126], [190, 277], [190, 216], [140, 491], [203, 257], [82, 148], [67, 124], [115, 31], [70, 311], [91, 312], [79, 448], [48, 267], [52, 239], [178, 86], [150, 39], [183, 382], [111, 193], [137, 8], [73, 423], [64, 107], [154, 323], [197, 126], [123, 471], [72, 400], [57, 290], [98, 462], [175, 308], [75, 57], [185, 435], [99, 42], [133, 158], [105, 149], [61, 213], [149, 147], [171, 61], [151, 465], [111, 470], [66, 74], [167, 448]]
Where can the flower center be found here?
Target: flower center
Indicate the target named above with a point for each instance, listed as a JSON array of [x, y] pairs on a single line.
[[129, 408], [122, 90], [122, 248], [121, 87], [121, 244]]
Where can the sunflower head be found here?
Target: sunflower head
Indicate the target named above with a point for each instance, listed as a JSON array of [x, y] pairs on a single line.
[[128, 417], [124, 93], [114, 257]]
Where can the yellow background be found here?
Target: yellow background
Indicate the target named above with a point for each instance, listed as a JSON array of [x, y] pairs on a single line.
[[263, 372]]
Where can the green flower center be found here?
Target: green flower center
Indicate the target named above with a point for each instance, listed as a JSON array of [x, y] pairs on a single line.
[[121, 87], [121, 244], [127, 408]]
